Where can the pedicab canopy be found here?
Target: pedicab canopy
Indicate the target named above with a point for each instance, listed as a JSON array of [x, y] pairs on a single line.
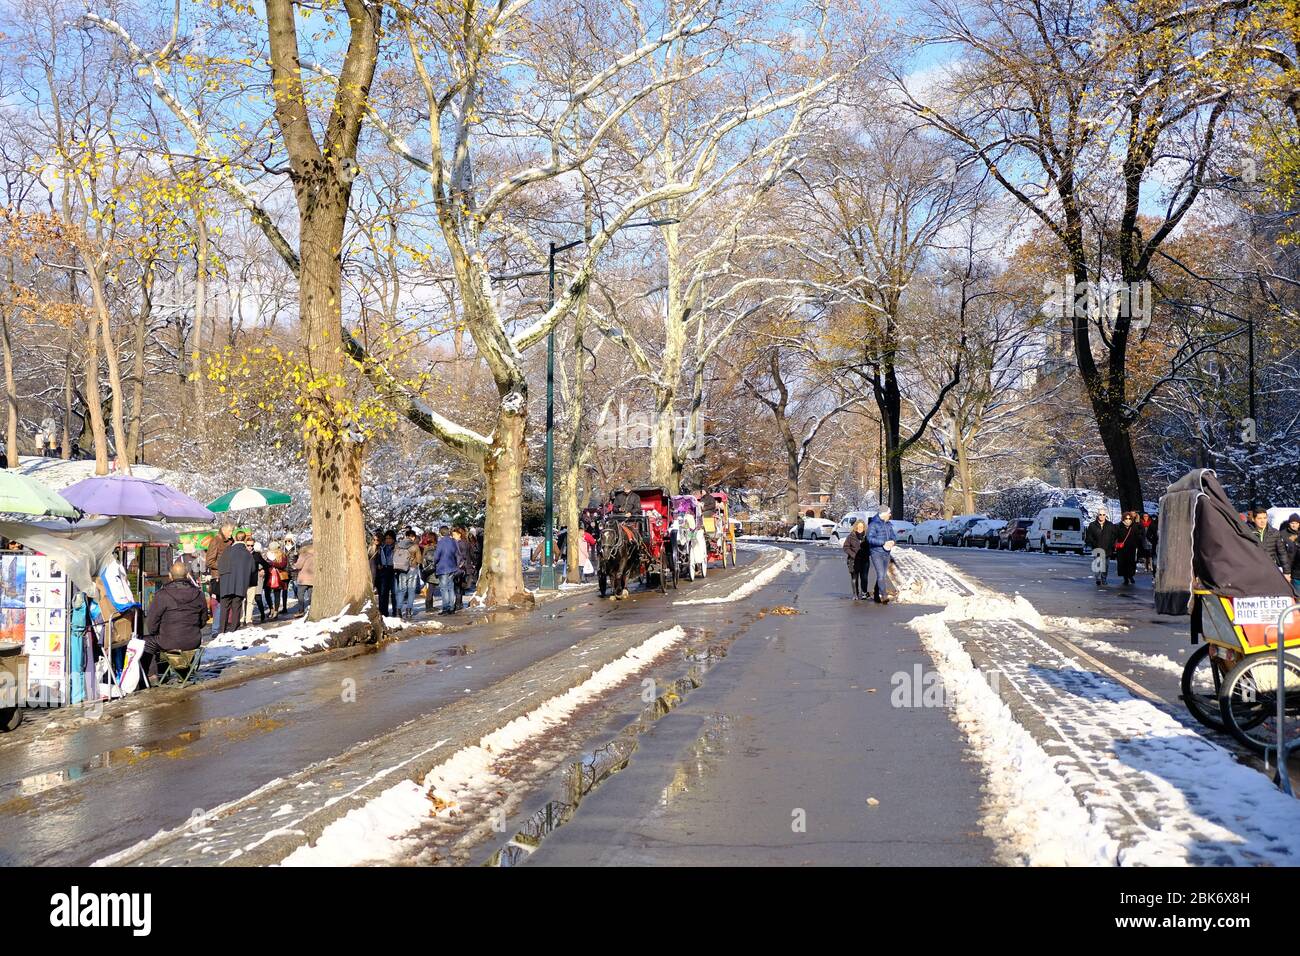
[[1204, 543]]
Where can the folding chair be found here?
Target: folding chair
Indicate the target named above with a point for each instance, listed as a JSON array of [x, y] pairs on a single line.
[[181, 666]]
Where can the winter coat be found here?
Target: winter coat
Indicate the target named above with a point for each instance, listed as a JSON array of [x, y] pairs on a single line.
[[1286, 550], [446, 557], [1098, 535], [216, 549], [854, 551], [304, 568], [878, 532], [629, 503], [176, 616], [1129, 544], [237, 568], [462, 556], [1266, 539]]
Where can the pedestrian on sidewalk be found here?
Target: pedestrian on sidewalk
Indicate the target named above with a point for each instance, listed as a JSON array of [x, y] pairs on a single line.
[[1288, 551], [304, 571], [428, 569], [462, 564], [855, 555], [446, 560], [253, 597], [880, 542], [585, 543], [1100, 538], [222, 540], [1129, 543], [237, 568], [275, 583], [1264, 536], [406, 565], [385, 579]]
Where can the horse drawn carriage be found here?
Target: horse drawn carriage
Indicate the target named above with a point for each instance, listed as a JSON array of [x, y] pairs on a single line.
[[719, 533], [637, 546], [690, 550], [1208, 565]]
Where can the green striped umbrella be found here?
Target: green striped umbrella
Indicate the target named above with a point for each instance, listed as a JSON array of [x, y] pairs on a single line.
[[22, 495], [242, 499]]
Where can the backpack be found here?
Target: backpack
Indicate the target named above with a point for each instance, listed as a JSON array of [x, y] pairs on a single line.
[[427, 571]]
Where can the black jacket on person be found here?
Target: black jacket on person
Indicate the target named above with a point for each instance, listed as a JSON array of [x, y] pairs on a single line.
[[176, 616], [627, 503], [1266, 539], [855, 550], [1286, 549], [237, 568], [1101, 536]]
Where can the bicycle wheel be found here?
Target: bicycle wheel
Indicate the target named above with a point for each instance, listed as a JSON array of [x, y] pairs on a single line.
[[1202, 679], [1248, 700]]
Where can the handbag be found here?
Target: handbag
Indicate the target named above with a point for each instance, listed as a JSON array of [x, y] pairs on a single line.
[[275, 579]]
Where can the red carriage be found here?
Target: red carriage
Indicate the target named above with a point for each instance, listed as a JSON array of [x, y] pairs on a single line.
[[638, 545]]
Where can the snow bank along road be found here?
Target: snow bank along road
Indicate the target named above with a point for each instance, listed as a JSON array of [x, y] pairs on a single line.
[[437, 784], [1082, 765]]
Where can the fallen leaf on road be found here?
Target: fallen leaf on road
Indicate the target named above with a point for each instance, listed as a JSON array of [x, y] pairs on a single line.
[[872, 802]]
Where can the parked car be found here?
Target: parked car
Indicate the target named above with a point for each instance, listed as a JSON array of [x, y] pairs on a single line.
[[903, 529], [814, 528], [1013, 537], [983, 534], [1057, 529], [844, 527], [955, 529], [927, 532]]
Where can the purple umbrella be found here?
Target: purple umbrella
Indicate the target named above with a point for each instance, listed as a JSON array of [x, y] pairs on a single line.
[[124, 496]]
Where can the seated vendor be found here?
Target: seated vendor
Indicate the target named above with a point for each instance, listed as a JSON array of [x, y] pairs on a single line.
[[176, 616]]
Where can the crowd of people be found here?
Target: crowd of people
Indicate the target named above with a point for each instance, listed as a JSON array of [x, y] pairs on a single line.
[[406, 562], [1128, 542], [244, 574]]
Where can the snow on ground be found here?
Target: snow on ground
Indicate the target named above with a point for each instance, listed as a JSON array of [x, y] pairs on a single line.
[[761, 579], [472, 780], [1079, 769], [287, 640]]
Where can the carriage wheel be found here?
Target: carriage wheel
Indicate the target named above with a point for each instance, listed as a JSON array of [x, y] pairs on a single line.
[[672, 568], [730, 550], [1248, 700], [1202, 679]]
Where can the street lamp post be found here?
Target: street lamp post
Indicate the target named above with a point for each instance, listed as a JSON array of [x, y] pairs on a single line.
[[546, 580]]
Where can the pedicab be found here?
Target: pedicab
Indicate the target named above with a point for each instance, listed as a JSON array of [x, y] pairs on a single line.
[[690, 552], [718, 533], [1209, 566]]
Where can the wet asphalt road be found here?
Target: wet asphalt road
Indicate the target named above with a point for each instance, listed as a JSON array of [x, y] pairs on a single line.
[[777, 758], [75, 796]]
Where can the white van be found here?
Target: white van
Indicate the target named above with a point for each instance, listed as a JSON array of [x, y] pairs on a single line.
[[1057, 529], [844, 527]]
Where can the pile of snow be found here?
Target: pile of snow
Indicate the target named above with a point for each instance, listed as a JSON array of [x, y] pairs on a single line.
[[287, 640], [761, 579], [385, 829]]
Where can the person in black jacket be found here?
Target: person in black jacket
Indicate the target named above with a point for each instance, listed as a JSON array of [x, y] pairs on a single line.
[[176, 616], [855, 553], [237, 568], [1287, 550], [1129, 543], [1264, 536], [1100, 537]]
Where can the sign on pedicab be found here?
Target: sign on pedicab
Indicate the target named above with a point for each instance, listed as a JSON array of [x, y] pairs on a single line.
[[1259, 610]]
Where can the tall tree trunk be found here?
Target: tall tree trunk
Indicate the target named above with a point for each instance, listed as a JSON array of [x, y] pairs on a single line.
[[963, 470], [135, 435], [11, 389], [114, 366], [69, 396], [200, 314], [501, 581]]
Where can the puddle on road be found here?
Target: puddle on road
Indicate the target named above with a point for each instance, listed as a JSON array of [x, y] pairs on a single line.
[[583, 776], [14, 795]]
